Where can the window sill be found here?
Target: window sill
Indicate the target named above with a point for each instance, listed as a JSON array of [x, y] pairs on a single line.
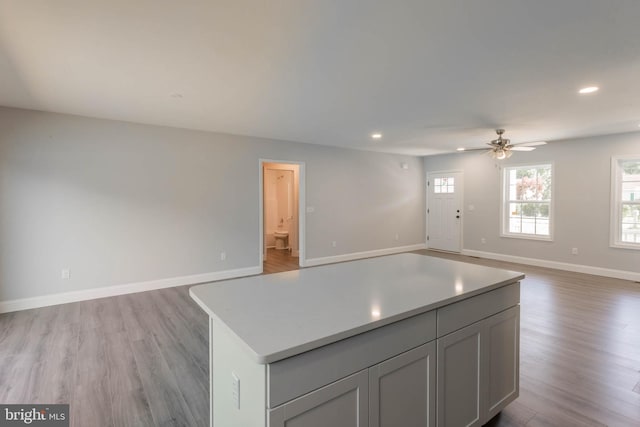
[[632, 246], [528, 237]]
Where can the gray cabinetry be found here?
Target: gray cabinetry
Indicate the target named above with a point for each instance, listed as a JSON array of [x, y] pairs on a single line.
[[478, 370], [399, 341], [459, 371], [503, 359], [477, 376], [296, 376], [397, 392], [343, 403], [402, 389]]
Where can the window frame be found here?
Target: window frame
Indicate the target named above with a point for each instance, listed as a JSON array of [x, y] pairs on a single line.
[[615, 233], [504, 203]]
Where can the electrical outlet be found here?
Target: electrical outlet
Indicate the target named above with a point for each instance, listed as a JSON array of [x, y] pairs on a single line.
[[235, 390], [483, 240], [397, 236], [223, 255], [334, 244], [66, 274], [574, 251]]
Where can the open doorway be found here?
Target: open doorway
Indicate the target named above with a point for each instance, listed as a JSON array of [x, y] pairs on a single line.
[[281, 215]]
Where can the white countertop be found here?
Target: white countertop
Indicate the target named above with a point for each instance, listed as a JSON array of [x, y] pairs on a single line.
[[284, 314]]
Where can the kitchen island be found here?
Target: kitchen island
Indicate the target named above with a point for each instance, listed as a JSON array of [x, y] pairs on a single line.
[[398, 340]]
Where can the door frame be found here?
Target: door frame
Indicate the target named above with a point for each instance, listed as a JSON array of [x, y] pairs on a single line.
[[301, 208], [428, 180]]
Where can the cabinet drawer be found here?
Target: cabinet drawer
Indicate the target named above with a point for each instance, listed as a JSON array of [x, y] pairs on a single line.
[[460, 314], [298, 375], [343, 403]]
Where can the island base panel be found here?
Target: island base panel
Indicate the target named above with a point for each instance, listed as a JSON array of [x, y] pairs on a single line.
[[237, 382]]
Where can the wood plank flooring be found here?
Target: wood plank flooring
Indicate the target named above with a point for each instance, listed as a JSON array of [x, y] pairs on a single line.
[[132, 360], [279, 260], [142, 359]]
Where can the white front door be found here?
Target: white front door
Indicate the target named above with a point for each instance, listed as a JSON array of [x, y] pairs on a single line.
[[444, 211]]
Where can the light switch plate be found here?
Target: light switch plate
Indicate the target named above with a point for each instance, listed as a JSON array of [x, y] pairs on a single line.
[[235, 390]]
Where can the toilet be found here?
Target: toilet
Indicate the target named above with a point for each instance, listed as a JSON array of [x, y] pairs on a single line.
[[282, 239]]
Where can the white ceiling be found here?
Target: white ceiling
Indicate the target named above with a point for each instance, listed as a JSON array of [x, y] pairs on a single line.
[[431, 75]]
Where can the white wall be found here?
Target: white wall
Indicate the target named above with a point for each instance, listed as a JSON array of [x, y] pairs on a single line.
[[121, 203], [582, 169]]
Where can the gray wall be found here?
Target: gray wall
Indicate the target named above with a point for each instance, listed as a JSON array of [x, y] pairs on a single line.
[[582, 169], [122, 203]]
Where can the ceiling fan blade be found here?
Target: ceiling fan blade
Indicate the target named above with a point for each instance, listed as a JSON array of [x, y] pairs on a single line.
[[473, 149], [503, 146], [531, 144]]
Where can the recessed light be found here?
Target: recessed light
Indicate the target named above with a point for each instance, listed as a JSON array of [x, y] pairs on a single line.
[[376, 135], [589, 89], [460, 149]]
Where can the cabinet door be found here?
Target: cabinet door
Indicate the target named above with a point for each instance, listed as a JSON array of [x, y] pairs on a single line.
[[460, 378], [402, 389], [503, 359], [343, 403]]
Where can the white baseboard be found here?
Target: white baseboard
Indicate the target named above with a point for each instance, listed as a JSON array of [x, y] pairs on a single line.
[[359, 255], [578, 268], [129, 288]]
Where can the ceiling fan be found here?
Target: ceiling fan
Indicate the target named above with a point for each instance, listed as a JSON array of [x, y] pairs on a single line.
[[502, 148]]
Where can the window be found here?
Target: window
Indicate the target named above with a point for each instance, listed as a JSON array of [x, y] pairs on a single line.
[[444, 185], [526, 201], [625, 196]]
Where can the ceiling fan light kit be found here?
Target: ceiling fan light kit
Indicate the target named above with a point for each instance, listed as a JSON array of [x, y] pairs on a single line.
[[500, 154]]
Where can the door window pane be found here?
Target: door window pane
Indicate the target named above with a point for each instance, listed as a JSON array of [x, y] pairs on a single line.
[[444, 185]]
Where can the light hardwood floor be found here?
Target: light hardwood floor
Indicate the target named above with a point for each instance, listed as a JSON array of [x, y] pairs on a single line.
[[142, 359], [279, 260]]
